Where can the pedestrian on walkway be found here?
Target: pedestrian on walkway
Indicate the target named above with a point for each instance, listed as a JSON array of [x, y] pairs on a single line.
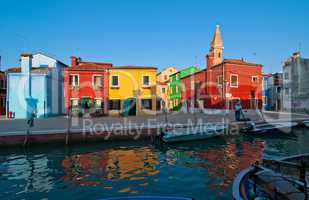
[[238, 110]]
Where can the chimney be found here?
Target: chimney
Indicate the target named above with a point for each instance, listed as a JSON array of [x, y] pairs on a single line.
[[74, 61], [296, 55], [26, 63]]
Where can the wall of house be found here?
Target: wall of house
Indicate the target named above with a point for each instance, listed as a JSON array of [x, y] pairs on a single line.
[[194, 90], [86, 88], [296, 85], [20, 89], [130, 86], [2, 93]]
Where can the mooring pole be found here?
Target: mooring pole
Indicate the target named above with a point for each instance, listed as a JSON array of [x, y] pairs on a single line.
[[68, 128], [30, 123]]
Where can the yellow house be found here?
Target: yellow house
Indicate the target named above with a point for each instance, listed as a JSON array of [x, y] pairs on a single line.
[[132, 90]]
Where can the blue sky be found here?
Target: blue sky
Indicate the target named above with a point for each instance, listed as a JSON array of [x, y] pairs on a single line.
[[154, 32]]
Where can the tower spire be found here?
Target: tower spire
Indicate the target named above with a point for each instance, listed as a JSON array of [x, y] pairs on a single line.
[[214, 56]]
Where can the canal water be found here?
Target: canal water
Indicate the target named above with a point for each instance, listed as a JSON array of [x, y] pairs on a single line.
[[202, 170]]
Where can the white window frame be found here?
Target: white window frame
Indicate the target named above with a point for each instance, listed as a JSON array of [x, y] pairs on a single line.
[[93, 78], [72, 99], [74, 75], [118, 80], [97, 98], [234, 86], [149, 81], [218, 80]]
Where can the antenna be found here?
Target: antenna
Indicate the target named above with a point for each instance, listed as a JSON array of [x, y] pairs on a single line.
[[299, 46]]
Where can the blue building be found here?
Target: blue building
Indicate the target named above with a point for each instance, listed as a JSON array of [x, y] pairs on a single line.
[[36, 86]]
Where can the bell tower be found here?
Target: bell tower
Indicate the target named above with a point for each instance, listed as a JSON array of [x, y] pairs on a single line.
[[214, 56]]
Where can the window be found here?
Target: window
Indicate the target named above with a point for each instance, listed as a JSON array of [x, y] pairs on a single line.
[[234, 80], [146, 80], [74, 103], [98, 103], [163, 90], [286, 75], [114, 104], [97, 81], [147, 104], [287, 91], [115, 81], [165, 77], [254, 79], [74, 80]]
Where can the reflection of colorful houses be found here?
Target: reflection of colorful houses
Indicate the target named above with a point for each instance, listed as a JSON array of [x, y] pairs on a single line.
[[86, 86], [175, 86], [132, 90], [225, 163], [36, 85], [163, 79], [2, 93], [93, 168]]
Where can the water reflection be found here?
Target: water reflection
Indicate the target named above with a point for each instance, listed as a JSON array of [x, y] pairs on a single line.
[[222, 163], [94, 169]]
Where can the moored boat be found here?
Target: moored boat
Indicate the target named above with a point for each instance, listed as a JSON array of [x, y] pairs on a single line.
[[269, 128], [275, 179]]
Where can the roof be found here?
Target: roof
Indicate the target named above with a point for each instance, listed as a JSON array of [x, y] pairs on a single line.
[[51, 58], [236, 62], [166, 68], [239, 62], [202, 70], [133, 67], [40, 70], [97, 63], [86, 66]]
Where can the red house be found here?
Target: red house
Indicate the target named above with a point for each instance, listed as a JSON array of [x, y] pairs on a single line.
[[86, 86], [224, 81], [2, 93], [193, 90]]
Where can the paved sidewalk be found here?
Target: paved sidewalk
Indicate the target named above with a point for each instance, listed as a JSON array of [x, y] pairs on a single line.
[[60, 124]]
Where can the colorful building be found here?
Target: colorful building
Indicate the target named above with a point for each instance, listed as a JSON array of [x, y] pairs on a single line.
[[163, 79], [2, 93], [86, 86], [266, 91], [296, 84], [230, 80], [132, 90], [175, 86], [194, 90], [36, 86]]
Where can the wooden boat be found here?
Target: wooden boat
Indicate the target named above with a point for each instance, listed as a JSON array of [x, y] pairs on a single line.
[[276, 179], [266, 128], [191, 133], [148, 198]]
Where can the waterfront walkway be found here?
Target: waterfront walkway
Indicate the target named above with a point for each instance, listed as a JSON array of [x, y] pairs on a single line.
[[60, 124]]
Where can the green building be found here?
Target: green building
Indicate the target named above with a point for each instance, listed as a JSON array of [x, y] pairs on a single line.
[[175, 86]]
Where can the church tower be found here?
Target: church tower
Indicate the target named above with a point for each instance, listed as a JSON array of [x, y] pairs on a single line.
[[214, 56]]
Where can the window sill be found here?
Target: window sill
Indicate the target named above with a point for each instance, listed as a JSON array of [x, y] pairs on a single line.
[[115, 86]]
